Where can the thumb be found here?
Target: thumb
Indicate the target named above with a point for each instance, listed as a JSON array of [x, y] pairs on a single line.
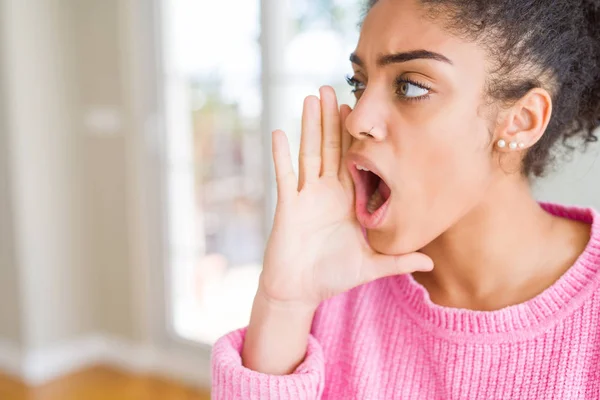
[[379, 265]]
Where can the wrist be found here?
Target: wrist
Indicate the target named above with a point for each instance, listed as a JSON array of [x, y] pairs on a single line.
[[289, 308], [264, 299], [277, 335]]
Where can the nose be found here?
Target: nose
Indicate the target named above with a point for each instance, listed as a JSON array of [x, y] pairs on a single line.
[[366, 120]]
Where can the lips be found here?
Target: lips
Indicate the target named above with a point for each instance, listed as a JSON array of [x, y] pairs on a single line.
[[372, 192]]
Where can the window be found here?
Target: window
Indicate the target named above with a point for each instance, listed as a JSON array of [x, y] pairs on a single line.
[[226, 89]]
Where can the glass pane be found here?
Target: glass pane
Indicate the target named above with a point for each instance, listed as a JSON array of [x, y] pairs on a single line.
[[215, 159], [323, 33]]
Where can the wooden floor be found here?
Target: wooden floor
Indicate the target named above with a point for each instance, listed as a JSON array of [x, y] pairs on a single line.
[[100, 383]]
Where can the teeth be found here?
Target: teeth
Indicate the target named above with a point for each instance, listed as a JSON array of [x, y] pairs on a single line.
[[374, 202], [361, 168]]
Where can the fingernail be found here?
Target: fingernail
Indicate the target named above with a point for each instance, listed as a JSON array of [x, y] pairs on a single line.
[[425, 267]]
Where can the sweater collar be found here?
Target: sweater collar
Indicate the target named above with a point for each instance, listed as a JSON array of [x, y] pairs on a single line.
[[517, 321]]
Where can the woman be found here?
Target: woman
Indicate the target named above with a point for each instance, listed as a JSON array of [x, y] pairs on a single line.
[[459, 104]]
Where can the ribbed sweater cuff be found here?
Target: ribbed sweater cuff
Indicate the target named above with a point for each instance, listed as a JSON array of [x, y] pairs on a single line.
[[232, 381]]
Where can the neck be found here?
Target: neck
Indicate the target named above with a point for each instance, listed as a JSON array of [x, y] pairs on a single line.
[[494, 253]]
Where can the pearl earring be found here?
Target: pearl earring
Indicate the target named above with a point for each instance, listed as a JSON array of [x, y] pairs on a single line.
[[512, 145]]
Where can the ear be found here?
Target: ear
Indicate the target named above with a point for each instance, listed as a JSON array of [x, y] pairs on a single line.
[[526, 121]]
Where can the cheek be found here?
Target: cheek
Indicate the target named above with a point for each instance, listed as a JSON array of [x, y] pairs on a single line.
[[448, 180], [451, 153], [445, 174]]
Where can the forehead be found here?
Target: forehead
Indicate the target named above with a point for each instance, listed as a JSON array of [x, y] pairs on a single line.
[[393, 26]]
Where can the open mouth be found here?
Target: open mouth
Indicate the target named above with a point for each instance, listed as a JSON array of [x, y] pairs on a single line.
[[372, 196], [376, 190]]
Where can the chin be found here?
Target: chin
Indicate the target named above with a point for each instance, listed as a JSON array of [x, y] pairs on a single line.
[[394, 242]]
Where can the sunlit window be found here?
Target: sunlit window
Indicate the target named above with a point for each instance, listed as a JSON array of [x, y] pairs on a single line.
[[217, 157]]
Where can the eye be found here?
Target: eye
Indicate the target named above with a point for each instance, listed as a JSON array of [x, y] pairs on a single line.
[[356, 85], [411, 90]]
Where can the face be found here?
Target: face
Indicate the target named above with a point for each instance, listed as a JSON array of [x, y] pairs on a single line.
[[420, 123]]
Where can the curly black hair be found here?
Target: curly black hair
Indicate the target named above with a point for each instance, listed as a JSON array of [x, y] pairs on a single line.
[[552, 44]]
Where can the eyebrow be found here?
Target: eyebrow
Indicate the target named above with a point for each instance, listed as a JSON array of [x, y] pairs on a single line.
[[388, 59]]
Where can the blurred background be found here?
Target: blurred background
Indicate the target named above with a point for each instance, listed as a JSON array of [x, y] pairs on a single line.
[[136, 187]]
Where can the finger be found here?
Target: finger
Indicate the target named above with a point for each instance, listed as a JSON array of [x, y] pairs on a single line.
[[380, 265], [309, 159], [331, 148], [284, 169], [346, 141]]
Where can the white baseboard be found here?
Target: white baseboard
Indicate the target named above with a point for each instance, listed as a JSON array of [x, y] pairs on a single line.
[[40, 366], [191, 368], [10, 358]]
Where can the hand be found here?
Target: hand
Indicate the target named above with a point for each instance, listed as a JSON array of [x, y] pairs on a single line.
[[316, 248]]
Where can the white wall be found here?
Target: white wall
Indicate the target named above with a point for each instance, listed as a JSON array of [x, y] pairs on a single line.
[[64, 188], [44, 173], [10, 325], [67, 285], [576, 182], [96, 43]]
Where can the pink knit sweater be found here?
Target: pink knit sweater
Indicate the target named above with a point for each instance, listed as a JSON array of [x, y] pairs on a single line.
[[387, 340]]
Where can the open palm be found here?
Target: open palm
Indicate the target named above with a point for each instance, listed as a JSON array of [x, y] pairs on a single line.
[[316, 248]]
